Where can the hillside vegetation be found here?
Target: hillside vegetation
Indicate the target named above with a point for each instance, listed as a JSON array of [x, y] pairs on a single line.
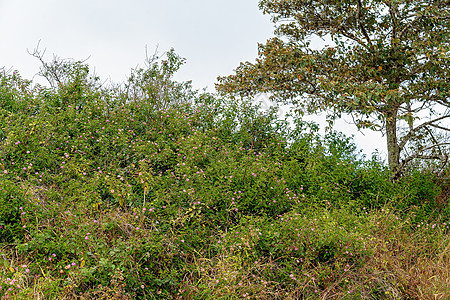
[[150, 190]]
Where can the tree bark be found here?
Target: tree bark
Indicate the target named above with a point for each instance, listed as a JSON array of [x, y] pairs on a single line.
[[392, 143]]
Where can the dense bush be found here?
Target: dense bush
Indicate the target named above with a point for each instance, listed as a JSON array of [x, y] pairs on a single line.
[[152, 190], [12, 204]]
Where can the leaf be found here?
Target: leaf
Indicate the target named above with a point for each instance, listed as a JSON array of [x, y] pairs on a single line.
[[83, 263]]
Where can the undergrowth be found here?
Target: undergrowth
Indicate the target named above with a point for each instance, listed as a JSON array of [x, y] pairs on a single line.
[[150, 190]]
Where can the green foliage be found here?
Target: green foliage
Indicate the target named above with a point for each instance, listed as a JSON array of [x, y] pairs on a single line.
[[16, 95], [165, 192], [12, 204], [313, 237], [387, 66]]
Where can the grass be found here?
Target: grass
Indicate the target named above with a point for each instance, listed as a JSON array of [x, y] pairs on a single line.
[[323, 254]]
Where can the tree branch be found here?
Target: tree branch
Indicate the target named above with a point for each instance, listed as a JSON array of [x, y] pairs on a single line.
[[440, 127], [436, 143], [358, 18], [411, 133], [443, 158], [394, 21]]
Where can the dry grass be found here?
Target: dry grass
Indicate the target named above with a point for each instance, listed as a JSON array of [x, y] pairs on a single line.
[[405, 263]]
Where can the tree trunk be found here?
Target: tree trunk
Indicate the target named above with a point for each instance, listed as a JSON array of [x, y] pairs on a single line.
[[392, 144]]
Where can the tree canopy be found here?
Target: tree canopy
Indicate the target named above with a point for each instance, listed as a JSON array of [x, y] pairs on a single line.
[[387, 66]]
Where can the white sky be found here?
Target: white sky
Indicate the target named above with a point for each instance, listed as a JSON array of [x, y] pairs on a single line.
[[213, 35]]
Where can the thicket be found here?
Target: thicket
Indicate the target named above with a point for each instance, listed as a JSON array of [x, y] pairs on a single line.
[[151, 190]]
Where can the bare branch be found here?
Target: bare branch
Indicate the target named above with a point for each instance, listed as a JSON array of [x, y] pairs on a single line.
[[443, 158], [440, 127], [40, 55], [434, 140], [411, 133]]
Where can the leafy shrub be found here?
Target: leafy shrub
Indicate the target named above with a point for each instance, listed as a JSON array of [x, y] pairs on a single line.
[[151, 190], [12, 205]]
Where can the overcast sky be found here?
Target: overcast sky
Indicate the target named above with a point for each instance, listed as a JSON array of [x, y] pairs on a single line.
[[213, 35]]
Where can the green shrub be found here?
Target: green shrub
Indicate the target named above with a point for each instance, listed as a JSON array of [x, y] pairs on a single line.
[[149, 190], [12, 211]]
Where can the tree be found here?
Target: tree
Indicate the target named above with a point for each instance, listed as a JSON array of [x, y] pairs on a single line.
[[389, 68]]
